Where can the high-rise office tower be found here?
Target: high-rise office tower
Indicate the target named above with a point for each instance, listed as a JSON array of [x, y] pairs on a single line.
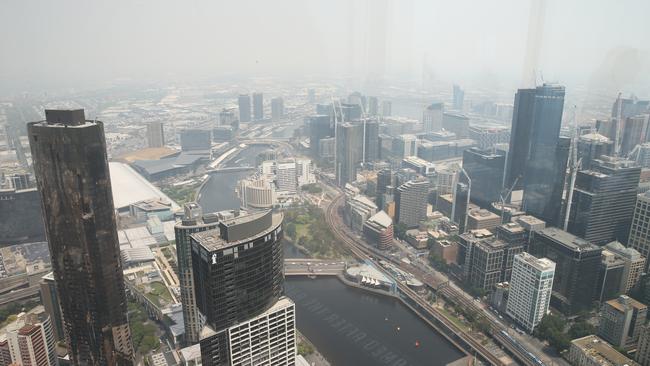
[[349, 146], [244, 102], [487, 137], [371, 140], [577, 264], [459, 97], [533, 160], [411, 202], [640, 229], [386, 108], [350, 112], [155, 134], [603, 200], [258, 106], [643, 347], [320, 127], [432, 117], [71, 169], [486, 171], [193, 221], [404, 146], [50, 300], [285, 176], [384, 179], [373, 106], [537, 154], [277, 108], [531, 285], [621, 321], [630, 107], [634, 132], [240, 268], [592, 146]]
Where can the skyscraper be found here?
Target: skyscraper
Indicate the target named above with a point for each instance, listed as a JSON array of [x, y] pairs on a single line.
[[319, 128], [486, 171], [592, 146], [603, 200], [373, 106], [155, 134], [277, 108], [371, 140], [244, 101], [531, 285], [193, 221], [29, 340], [432, 117], [577, 264], [349, 146], [537, 154], [621, 321], [71, 169], [411, 202], [459, 97], [640, 229], [258, 106], [50, 300], [240, 268], [633, 132]]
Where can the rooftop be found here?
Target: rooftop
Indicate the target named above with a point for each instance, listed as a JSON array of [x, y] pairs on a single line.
[[542, 264], [601, 351], [568, 240], [381, 218], [130, 187], [215, 239], [624, 302]]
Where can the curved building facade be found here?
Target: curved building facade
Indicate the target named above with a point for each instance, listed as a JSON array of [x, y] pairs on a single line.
[[257, 193]]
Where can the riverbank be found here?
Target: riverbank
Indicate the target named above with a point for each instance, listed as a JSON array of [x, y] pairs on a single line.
[[314, 357]]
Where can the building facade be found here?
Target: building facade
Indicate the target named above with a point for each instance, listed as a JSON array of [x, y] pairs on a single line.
[[531, 285], [193, 221], [640, 229], [621, 321], [258, 106], [486, 171], [349, 146], [432, 117], [71, 168], [155, 134], [244, 102], [411, 202]]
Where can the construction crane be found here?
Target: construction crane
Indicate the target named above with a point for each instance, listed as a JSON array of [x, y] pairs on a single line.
[[507, 194], [574, 165]]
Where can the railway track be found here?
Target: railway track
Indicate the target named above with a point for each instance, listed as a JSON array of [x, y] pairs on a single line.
[[362, 252]]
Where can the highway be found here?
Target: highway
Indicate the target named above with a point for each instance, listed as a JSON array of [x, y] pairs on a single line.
[[444, 287], [312, 267]]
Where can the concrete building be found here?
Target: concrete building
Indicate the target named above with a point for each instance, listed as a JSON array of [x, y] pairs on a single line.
[[640, 229], [488, 137], [603, 200], [634, 264], [445, 249], [258, 106], [432, 117], [285, 176], [423, 167], [243, 343], [442, 150], [378, 229], [193, 221], [29, 340], [155, 134], [257, 193], [531, 285], [418, 239], [153, 206], [320, 127], [349, 146], [621, 321], [593, 351], [643, 347], [404, 146], [358, 209], [411, 202], [577, 264], [227, 118], [610, 276], [277, 108], [386, 108], [305, 172], [244, 102], [71, 168], [243, 253], [482, 219]]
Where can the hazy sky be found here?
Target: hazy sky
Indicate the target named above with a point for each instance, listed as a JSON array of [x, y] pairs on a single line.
[[48, 42]]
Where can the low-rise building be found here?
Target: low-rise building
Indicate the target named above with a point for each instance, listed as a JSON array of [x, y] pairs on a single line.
[[378, 229], [445, 249], [418, 239], [593, 351], [482, 219], [621, 320], [153, 206]]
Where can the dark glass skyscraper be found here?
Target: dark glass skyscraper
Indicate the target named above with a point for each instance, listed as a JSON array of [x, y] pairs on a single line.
[[239, 267], [71, 170], [537, 155], [603, 200], [349, 146], [320, 127], [486, 171], [258, 106], [193, 221], [371, 140]]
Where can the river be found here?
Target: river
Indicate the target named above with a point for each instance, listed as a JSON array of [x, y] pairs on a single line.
[[348, 326]]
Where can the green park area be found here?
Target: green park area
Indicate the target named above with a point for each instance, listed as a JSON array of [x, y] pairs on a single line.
[[306, 228], [159, 294], [143, 330], [181, 194]]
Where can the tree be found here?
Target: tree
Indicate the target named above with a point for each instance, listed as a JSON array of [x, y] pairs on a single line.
[[581, 329], [400, 230], [291, 230]]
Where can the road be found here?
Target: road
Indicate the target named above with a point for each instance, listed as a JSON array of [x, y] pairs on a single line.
[[522, 348], [312, 267]]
